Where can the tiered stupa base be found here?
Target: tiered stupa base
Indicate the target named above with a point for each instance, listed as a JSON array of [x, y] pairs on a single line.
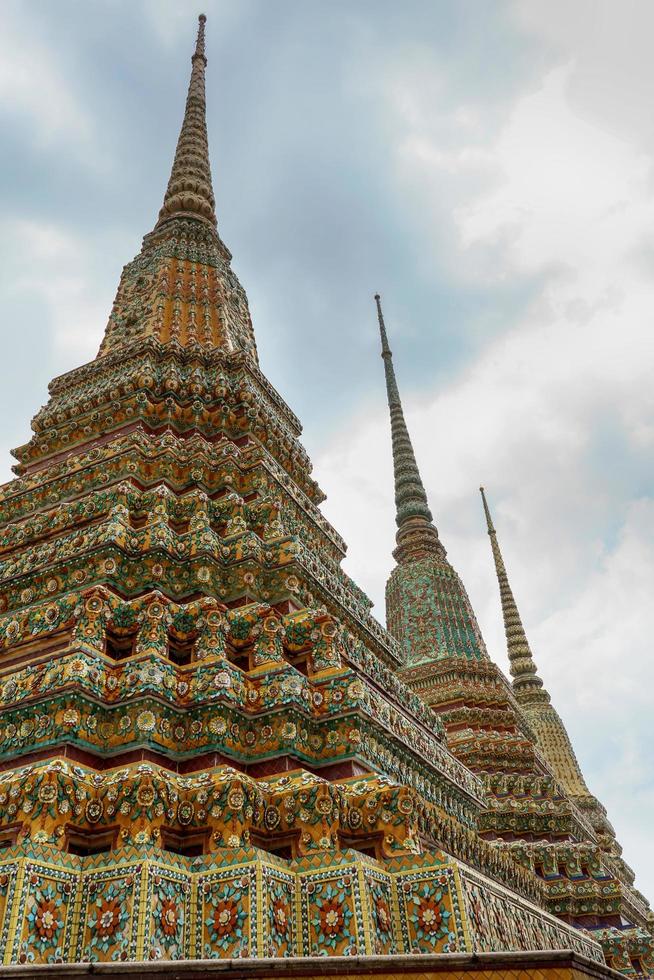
[[142, 903]]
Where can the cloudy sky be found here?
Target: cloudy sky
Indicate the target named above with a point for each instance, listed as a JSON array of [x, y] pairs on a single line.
[[488, 167]]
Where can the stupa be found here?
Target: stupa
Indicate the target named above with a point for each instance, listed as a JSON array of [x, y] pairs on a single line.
[[538, 806], [210, 751]]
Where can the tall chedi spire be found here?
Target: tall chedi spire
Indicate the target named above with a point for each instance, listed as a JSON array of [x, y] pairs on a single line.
[[429, 613], [190, 191], [416, 534], [551, 735], [527, 684], [535, 701], [181, 288], [538, 806], [427, 607], [546, 723]]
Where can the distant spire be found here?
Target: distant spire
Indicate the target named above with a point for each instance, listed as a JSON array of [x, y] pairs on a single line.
[[527, 685], [189, 193], [416, 533]]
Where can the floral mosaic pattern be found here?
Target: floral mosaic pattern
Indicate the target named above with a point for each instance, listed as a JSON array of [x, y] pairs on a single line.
[[380, 901], [111, 915], [428, 608], [332, 917], [430, 918], [226, 917], [497, 923], [330, 913], [48, 905], [427, 908], [280, 912], [169, 898]]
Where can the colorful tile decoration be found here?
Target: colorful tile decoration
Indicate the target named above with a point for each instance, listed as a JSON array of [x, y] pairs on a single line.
[[209, 747], [132, 904]]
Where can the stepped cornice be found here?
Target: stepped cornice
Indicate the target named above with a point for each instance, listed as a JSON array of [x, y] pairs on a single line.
[[149, 353]]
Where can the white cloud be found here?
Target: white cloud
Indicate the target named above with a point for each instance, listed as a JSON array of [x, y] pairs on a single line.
[[609, 620], [610, 50], [598, 652], [572, 194]]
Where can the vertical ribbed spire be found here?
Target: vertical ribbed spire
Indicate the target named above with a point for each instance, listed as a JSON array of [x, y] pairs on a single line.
[[416, 533], [527, 685], [189, 193], [552, 737]]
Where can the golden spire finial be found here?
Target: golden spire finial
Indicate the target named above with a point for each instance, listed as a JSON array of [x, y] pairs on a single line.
[[553, 739], [489, 521], [199, 44], [190, 193], [416, 533], [527, 685]]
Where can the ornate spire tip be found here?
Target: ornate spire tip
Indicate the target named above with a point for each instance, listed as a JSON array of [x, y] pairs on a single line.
[[489, 519], [386, 351], [199, 44], [189, 193]]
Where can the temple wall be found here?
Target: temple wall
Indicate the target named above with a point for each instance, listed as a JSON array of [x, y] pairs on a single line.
[[145, 904]]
